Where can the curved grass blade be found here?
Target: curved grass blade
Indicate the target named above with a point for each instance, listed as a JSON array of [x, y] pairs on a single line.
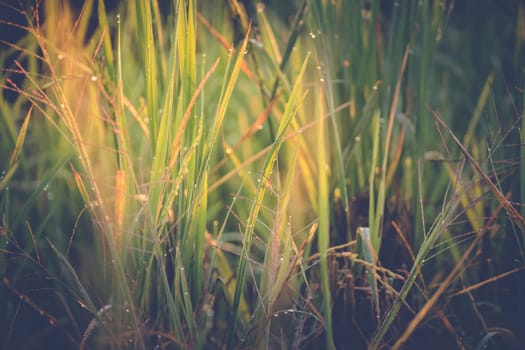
[[291, 109]]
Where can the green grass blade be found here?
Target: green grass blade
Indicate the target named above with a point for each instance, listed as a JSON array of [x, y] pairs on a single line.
[[147, 40], [440, 225], [293, 103]]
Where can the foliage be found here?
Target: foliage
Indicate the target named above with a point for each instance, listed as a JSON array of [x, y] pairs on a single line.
[[306, 174]]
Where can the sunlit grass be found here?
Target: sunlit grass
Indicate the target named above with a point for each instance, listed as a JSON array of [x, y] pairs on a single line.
[[177, 189]]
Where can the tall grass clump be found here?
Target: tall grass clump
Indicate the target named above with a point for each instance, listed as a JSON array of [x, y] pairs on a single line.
[[140, 168], [241, 174]]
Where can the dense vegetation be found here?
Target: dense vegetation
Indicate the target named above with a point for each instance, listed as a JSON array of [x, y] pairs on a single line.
[[285, 174]]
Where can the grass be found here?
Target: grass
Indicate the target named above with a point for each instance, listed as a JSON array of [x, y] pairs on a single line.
[[307, 174]]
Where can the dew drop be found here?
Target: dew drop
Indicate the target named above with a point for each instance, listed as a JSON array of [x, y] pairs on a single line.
[[94, 78]]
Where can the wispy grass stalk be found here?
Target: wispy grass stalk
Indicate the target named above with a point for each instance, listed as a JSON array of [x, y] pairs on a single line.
[[296, 97]]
